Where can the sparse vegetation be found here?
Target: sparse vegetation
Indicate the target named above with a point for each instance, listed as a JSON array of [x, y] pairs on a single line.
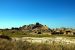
[[20, 45]]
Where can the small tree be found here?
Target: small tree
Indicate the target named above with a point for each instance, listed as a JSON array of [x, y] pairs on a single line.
[[37, 23]]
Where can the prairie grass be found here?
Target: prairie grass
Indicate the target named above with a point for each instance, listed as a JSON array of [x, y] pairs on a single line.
[[20, 45]]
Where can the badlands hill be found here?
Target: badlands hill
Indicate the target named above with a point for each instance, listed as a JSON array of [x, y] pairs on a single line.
[[35, 28]]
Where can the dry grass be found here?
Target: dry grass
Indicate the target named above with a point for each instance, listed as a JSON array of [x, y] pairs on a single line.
[[20, 45]]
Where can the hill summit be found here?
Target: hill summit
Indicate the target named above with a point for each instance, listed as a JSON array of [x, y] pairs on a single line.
[[36, 26]]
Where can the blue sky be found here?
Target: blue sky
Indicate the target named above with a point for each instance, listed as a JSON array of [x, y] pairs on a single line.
[[53, 13]]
